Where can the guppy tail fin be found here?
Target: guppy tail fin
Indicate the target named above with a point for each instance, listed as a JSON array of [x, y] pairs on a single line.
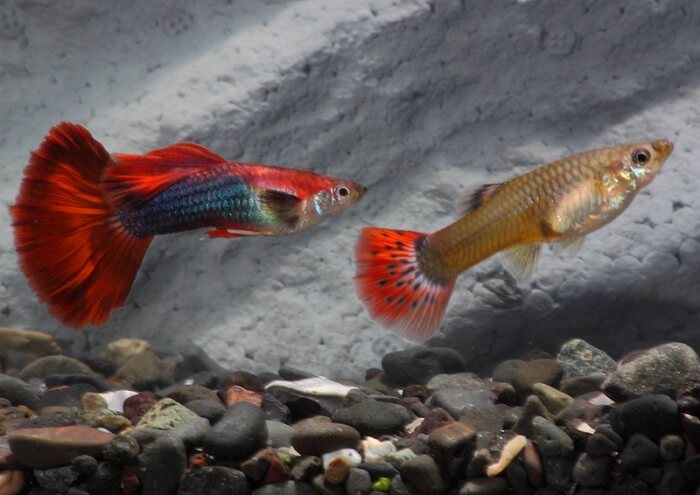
[[393, 285], [73, 249]]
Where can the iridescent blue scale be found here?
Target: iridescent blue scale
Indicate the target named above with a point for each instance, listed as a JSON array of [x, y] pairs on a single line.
[[202, 200]]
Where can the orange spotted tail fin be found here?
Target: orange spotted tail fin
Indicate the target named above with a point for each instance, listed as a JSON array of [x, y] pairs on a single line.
[[73, 249], [393, 286]]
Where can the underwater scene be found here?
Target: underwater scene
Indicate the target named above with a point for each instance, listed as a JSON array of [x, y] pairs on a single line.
[[297, 247]]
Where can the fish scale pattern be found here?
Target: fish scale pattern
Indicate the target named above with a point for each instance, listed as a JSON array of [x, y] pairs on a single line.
[[193, 202]]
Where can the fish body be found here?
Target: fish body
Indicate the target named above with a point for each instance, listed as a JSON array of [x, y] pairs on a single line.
[[84, 219], [406, 278]]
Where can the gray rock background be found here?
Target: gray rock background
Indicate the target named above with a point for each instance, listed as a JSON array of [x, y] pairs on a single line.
[[420, 100]]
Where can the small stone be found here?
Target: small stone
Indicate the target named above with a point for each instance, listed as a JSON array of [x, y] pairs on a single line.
[[236, 393], [65, 396], [84, 465], [452, 441], [306, 467], [317, 436], [93, 402], [43, 448], [337, 469], [57, 479], [483, 417], [533, 407], [419, 364], [286, 488], [213, 480], [436, 418], [553, 399], [558, 471], [665, 369], [551, 440], [505, 371], [639, 452], [279, 434], [581, 385], [601, 443], [143, 371], [37, 344], [653, 415], [533, 465], [161, 465], [423, 473], [373, 418], [374, 450], [166, 414], [592, 471], [672, 447], [510, 451], [359, 482], [256, 467], [672, 481], [187, 393], [691, 468], [484, 486], [240, 432], [380, 469], [208, 409], [53, 365], [400, 457], [504, 393], [399, 487], [137, 405], [116, 399], [579, 358], [18, 392], [11, 482], [106, 480], [119, 351], [545, 371], [112, 422]]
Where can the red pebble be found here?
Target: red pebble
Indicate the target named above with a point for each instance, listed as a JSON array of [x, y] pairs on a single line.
[[199, 460], [236, 393], [136, 406], [276, 472]]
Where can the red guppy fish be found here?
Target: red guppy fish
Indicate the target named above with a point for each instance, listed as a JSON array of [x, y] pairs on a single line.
[[84, 218], [405, 279]]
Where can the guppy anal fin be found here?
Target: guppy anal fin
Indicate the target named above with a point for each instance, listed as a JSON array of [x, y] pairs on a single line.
[[521, 261], [230, 233]]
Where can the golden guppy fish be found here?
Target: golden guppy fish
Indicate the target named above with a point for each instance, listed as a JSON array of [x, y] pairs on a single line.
[[405, 278]]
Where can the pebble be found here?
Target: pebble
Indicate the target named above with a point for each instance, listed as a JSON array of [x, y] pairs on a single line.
[[581, 385], [603, 442], [665, 369], [306, 467], [483, 417], [639, 452], [374, 450], [28, 342], [84, 465], [208, 409], [43, 367], [423, 473], [11, 482], [43, 448], [484, 486], [400, 487], [166, 414], [98, 382], [373, 418], [380, 469], [285, 488], [652, 415], [551, 440], [57, 479], [579, 358], [106, 480], [213, 480], [18, 392], [558, 472], [142, 371], [65, 396], [319, 435], [400, 457], [187, 393], [505, 371], [336, 466], [136, 406], [420, 364], [553, 399], [451, 440], [545, 371], [236, 393], [238, 434], [161, 465], [672, 447], [358, 482], [691, 468], [119, 351], [592, 471], [533, 407], [279, 434]]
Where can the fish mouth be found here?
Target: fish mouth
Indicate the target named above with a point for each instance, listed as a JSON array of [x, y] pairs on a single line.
[[663, 147]]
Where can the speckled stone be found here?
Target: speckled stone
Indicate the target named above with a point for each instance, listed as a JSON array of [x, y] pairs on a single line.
[[665, 369], [579, 358], [166, 414]]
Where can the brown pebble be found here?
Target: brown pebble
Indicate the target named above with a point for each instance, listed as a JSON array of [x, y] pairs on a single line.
[[337, 470], [236, 393], [436, 418], [11, 482], [92, 402]]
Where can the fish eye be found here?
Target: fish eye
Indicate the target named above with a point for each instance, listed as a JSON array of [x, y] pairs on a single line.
[[640, 156], [342, 191]]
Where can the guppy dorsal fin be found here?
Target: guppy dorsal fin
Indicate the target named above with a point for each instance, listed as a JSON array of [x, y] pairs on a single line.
[[478, 197], [135, 179], [282, 206]]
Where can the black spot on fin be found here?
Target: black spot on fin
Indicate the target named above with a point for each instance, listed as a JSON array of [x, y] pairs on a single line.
[[478, 197], [283, 206]]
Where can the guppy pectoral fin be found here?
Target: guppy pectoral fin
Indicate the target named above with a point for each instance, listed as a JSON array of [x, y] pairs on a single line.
[[478, 197], [521, 261], [282, 206], [571, 245]]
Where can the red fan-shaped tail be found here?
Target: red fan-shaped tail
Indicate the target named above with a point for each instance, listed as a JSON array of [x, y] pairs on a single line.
[[393, 285], [71, 245]]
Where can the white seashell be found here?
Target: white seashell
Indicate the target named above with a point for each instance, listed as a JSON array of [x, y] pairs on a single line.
[[115, 400], [317, 386], [585, 428], [352, 455], [376, 450]]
